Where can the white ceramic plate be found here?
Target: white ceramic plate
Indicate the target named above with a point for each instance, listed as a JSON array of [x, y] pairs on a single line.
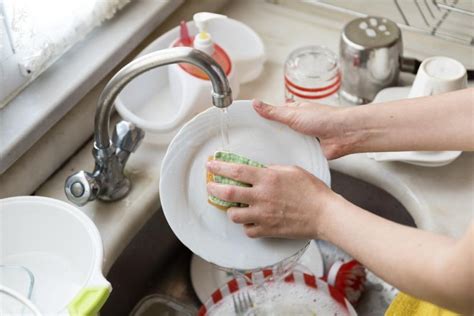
[[419, 158], [205, 229], [206, 277]]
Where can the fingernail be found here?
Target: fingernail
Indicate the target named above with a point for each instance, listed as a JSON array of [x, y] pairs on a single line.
[[211, 164], [210, 187], [229, 214], [259, 104]]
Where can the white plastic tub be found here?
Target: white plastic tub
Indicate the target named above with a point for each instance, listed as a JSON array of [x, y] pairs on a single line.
[[63, 250]]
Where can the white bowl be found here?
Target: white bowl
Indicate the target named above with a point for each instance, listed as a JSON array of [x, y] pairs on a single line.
[[61, 247]]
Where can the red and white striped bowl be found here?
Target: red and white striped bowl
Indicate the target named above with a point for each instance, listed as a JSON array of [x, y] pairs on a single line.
[[296, 277]]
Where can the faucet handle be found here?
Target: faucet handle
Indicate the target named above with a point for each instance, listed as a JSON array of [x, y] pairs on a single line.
[[127, 136], [81, 188]]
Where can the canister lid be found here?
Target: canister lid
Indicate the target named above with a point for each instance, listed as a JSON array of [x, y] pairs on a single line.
[[371, 32]]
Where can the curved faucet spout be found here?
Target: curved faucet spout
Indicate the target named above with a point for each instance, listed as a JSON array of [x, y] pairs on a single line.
[[221, 94], [108, 181]]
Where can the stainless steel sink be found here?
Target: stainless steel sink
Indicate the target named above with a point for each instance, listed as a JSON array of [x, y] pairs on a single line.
[[156, 262]]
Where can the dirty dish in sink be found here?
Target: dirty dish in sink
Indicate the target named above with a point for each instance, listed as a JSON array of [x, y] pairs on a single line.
[[206, 277], [298, 294], [206, 230]]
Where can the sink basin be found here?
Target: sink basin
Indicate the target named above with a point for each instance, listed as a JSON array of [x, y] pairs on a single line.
[[156, 262]]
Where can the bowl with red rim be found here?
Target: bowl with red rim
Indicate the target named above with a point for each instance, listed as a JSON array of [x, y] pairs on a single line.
[[294, 290]]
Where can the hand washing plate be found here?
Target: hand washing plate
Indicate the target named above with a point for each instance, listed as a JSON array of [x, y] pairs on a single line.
[[205, 229]]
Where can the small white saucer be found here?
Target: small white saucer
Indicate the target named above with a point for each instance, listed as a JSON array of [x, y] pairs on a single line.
[[419, 158]]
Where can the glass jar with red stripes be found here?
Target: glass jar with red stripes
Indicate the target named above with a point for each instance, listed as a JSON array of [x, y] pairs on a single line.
[[312, 74]]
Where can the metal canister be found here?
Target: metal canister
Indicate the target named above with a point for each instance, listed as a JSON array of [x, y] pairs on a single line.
[[370, 50]]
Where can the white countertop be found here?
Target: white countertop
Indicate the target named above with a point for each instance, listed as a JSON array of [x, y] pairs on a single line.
[[439, 199]]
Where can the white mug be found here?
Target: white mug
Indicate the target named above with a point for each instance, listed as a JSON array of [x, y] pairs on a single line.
[[438, 75]]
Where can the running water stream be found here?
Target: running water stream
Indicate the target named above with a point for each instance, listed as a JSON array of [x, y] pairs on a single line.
[[224, 128]]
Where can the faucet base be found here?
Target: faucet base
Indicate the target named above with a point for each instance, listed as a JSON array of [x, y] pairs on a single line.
[[118, 191], [108, 181]]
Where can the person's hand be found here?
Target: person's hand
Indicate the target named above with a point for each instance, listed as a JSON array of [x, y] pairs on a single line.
[[283, 201], [322, 121]]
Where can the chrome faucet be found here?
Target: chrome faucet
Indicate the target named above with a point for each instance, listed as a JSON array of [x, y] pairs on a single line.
[[108, 181]]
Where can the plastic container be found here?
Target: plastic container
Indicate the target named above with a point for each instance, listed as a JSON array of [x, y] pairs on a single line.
[[63, 250], [204, 42], [161, 100]]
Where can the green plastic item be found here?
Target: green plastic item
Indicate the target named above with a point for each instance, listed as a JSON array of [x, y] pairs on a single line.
[[233, 158], [88, 301]]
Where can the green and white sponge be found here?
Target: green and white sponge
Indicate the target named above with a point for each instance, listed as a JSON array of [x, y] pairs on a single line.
[[232, 158]]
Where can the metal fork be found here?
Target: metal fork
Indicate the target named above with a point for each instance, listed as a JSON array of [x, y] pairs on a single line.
[[242, 303]]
